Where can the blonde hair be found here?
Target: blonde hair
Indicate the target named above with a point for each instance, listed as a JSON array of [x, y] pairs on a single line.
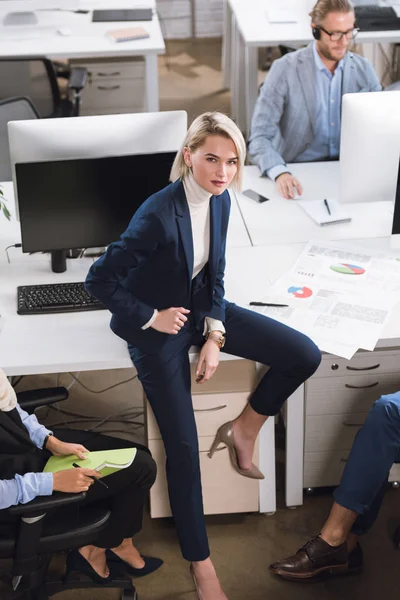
[[210, 123], [323, 7]]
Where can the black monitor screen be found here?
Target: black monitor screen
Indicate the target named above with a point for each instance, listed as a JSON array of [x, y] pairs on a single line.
[[86, 202], [396, 216]]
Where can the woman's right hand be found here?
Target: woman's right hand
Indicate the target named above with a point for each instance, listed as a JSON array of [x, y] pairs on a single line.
[[171, 320], [73, 481]]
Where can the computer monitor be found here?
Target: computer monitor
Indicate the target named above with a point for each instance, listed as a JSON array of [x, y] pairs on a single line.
[[369, 146], [395, 238], [78, 181]]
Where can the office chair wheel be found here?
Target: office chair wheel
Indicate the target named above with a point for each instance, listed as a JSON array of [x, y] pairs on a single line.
[[129, 595]]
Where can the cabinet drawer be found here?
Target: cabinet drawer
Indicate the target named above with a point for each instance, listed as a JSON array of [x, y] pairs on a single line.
[[323, 469], [350, 394], [231, 376], [332, 432], [384, 361], [114, 93], [132, 68], [211, 411], [224, 490]]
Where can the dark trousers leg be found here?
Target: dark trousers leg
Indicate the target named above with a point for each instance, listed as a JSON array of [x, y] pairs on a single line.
[[165, 377], [127, 489], [375, 449], [291, 356]]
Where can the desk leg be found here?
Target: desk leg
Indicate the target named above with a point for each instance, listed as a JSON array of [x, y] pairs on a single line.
[[251, 83], [152, 98], [295, 448], [238, 77], [226, 46], [267, 486]]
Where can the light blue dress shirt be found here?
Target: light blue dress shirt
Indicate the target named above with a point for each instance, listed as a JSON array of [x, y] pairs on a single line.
[[24, 488], [326, 143]]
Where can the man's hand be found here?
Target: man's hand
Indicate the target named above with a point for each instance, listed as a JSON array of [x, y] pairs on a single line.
[[73, 481], [171, 320], [208, 361], [288, 186], [59, 448]]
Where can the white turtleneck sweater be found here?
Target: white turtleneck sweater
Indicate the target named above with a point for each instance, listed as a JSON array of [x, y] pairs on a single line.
[[198, 200]]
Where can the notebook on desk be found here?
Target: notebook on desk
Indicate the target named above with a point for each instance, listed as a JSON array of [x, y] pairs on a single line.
[[319, 210]]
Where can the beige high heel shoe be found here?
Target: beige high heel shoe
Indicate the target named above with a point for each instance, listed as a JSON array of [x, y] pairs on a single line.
[[225, 436]]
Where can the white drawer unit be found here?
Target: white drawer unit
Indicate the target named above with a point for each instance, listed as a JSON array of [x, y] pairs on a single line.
[[224, 490], [113, 86], [337, 400], [220, 400], [190, 18]]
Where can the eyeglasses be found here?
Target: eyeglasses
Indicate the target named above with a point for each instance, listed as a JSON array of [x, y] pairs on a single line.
[[336, 36]]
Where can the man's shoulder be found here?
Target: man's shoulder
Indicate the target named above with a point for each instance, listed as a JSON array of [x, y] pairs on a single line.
[[293, 57]]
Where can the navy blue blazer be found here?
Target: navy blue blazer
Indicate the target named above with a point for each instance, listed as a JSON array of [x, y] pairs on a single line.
[[151, 266]]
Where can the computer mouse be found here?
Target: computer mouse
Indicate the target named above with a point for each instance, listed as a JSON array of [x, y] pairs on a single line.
[[64, 31]]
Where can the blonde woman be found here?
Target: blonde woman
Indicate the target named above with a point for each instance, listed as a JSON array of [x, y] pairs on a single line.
[[164, 283]]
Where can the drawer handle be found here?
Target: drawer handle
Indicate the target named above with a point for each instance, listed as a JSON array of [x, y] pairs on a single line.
[[108, 87], [346, 424], [363, 368], [361, 387], [217, 450], [114, 74], [343, 459], [210, 409]]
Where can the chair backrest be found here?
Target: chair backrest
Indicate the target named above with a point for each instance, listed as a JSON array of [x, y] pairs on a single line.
[[32, 77], [12, 109]]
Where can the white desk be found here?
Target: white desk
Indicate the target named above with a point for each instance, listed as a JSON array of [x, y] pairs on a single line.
[[87, 40], [279, 231], [246, 29], [319, 180]]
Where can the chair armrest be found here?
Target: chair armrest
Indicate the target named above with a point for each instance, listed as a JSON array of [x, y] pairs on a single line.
[[42, 504], [77, 78], [31, 399]]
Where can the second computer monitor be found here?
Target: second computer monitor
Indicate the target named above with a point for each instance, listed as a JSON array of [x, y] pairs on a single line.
[[370, 146]]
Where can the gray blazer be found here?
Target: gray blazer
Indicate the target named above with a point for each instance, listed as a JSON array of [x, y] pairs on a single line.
[[284, 117]]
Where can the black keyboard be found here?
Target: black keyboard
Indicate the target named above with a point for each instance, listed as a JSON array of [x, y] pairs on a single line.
[[376, 18], [55, 298]]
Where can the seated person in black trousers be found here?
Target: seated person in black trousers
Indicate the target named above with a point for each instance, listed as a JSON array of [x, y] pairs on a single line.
[[357, 499], [25, 448]]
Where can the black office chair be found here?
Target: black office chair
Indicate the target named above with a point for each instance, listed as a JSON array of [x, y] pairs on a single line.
[[32, 549], [36, 77], [29, 400]]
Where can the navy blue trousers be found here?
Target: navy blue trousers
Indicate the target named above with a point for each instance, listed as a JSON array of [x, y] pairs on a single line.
[[165, 376], [375, 449]]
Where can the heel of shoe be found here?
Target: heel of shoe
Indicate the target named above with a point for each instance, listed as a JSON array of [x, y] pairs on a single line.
[[214, 445]]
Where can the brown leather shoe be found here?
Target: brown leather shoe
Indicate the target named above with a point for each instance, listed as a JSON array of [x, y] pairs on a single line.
[[314, 560]]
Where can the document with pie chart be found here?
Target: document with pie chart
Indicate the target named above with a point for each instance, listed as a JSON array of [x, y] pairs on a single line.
[[339, 296]]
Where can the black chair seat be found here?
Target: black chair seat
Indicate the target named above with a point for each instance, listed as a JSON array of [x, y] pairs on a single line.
[[66, 532]]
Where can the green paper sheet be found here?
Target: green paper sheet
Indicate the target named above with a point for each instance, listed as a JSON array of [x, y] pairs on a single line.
[[105, 461]]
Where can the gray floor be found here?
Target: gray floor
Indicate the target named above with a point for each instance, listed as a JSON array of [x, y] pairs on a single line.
[[244, 545]]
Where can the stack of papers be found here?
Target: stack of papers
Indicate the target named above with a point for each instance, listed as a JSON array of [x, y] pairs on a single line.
[[340, 297]]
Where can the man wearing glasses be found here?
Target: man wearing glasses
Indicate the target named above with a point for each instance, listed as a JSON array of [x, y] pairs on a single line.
[[298, 112]]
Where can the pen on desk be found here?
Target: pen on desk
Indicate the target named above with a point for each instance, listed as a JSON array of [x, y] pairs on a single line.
[[268, 304], [94, 478], [327, 206]]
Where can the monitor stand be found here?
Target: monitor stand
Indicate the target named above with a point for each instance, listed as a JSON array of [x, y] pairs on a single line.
[[58, 261], [21, 18]]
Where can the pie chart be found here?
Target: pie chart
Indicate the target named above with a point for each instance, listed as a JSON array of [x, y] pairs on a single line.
[[300, 292], [347, 269]]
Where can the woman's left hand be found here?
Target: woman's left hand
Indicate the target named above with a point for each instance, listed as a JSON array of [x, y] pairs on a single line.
[[59, 448], [208, 361]]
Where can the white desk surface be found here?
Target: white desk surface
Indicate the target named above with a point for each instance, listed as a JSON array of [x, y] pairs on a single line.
[[280, 221], [87, 39], [252, 20]]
